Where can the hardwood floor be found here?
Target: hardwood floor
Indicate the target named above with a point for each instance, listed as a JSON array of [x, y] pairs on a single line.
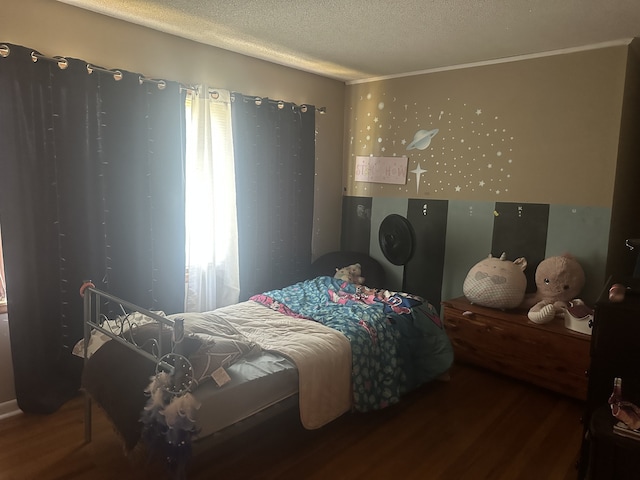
[[477, 426]]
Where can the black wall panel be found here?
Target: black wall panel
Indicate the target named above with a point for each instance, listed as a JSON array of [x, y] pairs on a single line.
[[423, 273], [520, 230], [356, 224]]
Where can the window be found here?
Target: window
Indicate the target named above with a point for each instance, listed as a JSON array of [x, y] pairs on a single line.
[[211, 225]]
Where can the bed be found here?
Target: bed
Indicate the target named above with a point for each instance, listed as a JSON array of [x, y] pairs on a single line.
[[324, 345]]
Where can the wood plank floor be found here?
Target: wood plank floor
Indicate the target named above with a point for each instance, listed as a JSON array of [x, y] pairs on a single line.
[[477, 426]]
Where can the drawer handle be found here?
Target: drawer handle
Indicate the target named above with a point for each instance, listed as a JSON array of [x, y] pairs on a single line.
[[467, 313]]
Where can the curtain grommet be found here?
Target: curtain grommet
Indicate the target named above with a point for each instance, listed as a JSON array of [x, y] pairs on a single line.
[[4, 50], [63, 63]]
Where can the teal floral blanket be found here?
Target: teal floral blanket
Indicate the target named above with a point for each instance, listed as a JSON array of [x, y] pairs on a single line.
[[370, 319]]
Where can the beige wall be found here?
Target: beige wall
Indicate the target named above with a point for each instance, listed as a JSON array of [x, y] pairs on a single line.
[[54, 29], [541, 130]]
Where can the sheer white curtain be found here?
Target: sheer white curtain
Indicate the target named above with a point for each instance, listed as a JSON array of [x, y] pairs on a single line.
[[211, 223]]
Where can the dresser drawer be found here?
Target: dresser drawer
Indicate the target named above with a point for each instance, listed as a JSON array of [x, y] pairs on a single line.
[[550, 355]]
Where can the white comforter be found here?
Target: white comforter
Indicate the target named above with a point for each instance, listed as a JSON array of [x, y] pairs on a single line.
[[322, 355]]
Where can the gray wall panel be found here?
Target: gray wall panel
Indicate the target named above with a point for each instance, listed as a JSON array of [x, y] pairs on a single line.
[[586, 229], [469, 233]]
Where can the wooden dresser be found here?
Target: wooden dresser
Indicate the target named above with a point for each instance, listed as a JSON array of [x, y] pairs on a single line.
[[550, 355]]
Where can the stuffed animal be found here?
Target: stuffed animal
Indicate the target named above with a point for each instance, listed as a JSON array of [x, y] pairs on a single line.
[[350, 273], [496, 282], [559, 280]]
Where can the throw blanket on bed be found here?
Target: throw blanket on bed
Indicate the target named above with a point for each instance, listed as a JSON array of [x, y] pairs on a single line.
[[321, 355], [359, 314]]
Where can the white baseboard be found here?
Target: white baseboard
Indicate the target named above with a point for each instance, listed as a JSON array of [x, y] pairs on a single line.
[[9, 409]]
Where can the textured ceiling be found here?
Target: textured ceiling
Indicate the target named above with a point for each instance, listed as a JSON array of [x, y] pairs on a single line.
[[354, 40]]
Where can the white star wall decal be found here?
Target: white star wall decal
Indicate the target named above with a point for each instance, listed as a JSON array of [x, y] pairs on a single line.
[[418, 172]]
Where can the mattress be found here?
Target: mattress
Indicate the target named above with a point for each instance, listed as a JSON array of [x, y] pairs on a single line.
[[256, 383], [321, 355]]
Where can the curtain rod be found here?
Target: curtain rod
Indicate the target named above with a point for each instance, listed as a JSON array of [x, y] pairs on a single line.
[[279, 103], [258, 100], [63, 63]]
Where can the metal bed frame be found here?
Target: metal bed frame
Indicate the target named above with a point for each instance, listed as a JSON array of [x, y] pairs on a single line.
[[94, 320]]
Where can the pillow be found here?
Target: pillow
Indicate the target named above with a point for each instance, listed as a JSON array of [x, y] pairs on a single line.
[[96, 340], [119, 325]]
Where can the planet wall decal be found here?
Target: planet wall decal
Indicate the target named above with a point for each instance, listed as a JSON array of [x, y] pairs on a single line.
[[422, 139]]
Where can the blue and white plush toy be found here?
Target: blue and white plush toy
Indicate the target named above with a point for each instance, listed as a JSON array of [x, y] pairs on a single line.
[[496, 282]]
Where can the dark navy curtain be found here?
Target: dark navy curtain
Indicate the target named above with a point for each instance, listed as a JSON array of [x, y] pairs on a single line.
[[91, 187], [274, 149]]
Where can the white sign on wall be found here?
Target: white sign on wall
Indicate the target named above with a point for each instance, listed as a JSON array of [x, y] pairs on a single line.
[[391, 170]]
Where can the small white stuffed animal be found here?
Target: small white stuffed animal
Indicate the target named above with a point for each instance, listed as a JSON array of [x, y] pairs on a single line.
[[350, 273]]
